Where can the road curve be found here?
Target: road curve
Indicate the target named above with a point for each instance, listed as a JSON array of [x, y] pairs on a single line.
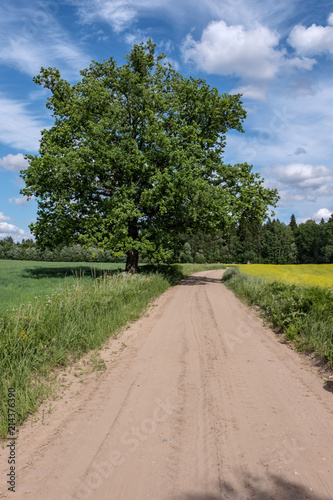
[[199, 401]]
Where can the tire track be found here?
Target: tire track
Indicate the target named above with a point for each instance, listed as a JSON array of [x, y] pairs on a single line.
[[203, 403]]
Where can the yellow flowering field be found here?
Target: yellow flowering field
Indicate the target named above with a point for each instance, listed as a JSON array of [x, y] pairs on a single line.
[[300, 274]]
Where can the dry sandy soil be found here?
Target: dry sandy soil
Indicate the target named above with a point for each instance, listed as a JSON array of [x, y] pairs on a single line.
[[199, 401]]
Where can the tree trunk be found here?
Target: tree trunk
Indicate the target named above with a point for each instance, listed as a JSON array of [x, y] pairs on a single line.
[[132, 261]]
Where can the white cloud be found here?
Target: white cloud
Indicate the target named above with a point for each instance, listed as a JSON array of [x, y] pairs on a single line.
[[252, 53], [4, 218], [30, 55], [15, 163], [10, 230], [300, 63], [322, 213], [233, 50], [18, 128], [136, 37], [257, 92], [300, 181], [7, 229], [314, 40], [37, 40], [120, 14], [21, 200], [304, 175]]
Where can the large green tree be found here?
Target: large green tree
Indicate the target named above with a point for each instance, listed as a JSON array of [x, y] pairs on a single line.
[[135, 157]]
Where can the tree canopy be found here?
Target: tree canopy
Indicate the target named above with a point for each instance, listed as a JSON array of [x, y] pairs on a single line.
[[135, 157]]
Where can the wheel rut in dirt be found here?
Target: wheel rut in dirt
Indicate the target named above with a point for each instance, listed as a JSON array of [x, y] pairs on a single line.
[[199, 401]]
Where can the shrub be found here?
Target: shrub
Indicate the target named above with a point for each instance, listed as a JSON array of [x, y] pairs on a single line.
[[186, 255], [230, 273], [199, 258]]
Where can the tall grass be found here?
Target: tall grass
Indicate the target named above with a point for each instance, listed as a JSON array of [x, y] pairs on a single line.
[[57, 329], [303, 313], [71, 321]]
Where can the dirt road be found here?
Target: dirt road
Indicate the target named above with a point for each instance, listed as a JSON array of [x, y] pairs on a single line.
[[199, 402]]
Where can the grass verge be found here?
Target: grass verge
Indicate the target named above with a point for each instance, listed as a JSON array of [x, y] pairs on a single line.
[[59, 328], [303, 313]]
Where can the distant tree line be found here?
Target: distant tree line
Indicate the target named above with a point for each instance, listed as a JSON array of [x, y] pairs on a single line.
[[29, 250], [271, 243]]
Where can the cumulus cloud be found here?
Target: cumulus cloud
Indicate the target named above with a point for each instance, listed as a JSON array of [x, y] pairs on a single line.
[[301, 181], [7, 229], [322, 213], [304, 175], [4, 218], [251, 53], [10, 230], [233, 50], [314, 40], [305, 63], [14, 163]]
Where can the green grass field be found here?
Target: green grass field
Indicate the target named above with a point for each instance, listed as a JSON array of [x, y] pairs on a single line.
[[22, 281]]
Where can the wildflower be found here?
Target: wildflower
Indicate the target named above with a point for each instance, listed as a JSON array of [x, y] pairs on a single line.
[[23, 334]]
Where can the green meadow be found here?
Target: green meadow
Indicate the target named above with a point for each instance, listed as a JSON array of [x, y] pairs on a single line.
[[22, 282]]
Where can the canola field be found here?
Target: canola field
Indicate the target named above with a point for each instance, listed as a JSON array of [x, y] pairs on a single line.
[[300, 274]]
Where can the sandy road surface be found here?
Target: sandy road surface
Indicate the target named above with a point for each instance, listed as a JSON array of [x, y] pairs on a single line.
[[198, 402]]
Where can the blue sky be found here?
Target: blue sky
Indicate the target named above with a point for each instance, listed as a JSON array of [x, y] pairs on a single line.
[[277, 54]]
